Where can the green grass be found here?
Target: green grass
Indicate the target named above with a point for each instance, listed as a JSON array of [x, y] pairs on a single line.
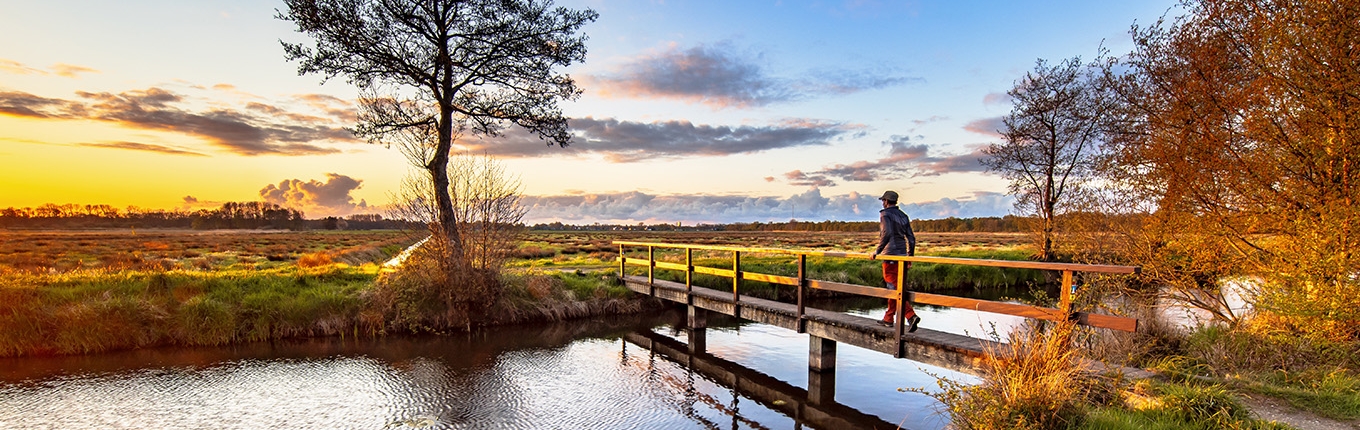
[[1334, 394], [94, 311], [1179, 406]]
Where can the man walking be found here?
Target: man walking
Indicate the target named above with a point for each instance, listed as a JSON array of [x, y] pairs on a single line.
[[895, 238]]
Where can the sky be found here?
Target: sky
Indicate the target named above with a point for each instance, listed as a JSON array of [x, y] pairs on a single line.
[[692, 111]]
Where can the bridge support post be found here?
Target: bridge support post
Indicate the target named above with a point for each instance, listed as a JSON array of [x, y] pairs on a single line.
[[821, 370], [697, 330], [821, 354]]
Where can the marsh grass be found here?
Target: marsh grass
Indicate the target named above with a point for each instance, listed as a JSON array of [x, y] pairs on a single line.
[[96, 311], [535, 295], [1038, 381], [1310, 374]]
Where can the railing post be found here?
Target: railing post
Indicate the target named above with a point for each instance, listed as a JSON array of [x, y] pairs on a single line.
[[689, 276], [901, 307], [736, 282], [1067, 289], [651, 267], [802, 283], [623, 266]]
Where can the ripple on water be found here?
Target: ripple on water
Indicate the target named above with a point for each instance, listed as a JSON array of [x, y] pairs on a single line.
[[456, 383]]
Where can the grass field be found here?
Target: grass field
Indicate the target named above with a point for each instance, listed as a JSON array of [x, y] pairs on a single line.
[[36, 252], [71, 292]]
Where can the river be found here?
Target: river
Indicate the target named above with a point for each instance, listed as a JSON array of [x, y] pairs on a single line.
[[570, 375]]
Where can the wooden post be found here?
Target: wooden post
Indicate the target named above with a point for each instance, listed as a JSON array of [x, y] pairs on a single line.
[[689, 276], [901, 307], [821, 354], [802, 284], [651, 266], [736, 282], [1067, 289], [821, 370], [697, 330], [623, 266]]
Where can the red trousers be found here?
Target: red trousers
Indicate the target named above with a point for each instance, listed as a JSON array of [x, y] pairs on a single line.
[[890, 277]]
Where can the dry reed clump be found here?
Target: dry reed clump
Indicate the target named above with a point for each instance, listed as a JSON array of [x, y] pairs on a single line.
[[541, 287], [430, 292], [1034, 382], [315, 259]]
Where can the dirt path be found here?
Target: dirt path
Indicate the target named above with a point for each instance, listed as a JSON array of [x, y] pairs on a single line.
[[1271, 409]]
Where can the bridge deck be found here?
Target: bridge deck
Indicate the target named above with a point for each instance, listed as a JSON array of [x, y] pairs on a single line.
[[938, 348]]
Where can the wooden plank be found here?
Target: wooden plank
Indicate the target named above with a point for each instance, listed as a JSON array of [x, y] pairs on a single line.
[[988, 306], [852, 289], [713, 271], [773, 279], [1107, 321], [1028, 311], [638, 262], [672, 266]]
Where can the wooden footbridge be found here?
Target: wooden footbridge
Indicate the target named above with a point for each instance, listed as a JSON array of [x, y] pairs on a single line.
[[827, 328]]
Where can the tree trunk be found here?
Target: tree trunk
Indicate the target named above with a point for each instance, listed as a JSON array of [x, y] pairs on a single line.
[[439, 175]]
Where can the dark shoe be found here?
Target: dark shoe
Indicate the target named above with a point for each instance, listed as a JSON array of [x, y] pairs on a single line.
[[885, 323], [914, 320]]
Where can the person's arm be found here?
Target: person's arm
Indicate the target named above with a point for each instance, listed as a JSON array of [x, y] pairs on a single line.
[[884, 233]]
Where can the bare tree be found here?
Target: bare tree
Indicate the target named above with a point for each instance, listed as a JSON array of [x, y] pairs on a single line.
[[430, 70], [1050, 142], [487, 201]]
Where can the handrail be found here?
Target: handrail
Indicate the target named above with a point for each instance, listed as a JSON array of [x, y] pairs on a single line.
[[802, 282], [1040, 265]]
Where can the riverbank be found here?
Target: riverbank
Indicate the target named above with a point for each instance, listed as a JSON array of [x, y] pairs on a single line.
[[94, 311]]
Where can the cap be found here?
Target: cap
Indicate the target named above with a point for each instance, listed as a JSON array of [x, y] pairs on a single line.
[[889, 196]]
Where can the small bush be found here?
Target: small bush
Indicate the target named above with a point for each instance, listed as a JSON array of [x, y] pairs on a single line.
[[315, 259], [1035, 382]]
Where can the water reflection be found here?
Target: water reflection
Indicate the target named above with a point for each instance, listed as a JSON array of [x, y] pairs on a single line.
[[572, 375]]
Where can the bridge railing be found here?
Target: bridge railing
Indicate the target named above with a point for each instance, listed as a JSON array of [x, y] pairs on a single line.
[[802, 282]]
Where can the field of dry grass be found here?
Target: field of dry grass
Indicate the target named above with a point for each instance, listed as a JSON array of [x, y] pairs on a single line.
[[62, 251]]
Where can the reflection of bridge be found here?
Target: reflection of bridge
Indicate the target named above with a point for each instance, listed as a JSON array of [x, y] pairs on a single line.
[[815, 408], [827, 328]]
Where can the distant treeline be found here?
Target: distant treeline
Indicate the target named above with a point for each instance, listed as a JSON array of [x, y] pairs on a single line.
[[231, 215], [262, 215], [1006, 224]]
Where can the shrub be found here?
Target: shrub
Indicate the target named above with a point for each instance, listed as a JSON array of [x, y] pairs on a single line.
[[314, 259], [1034, 382]]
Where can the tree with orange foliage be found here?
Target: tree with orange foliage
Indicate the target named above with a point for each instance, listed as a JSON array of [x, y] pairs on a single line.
[[1239, 130]]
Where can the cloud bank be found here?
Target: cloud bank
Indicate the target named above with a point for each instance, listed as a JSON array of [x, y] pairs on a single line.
[[904, 159], [721, 76], [629, 141], [314, 197], [256, 129], [634, 207]]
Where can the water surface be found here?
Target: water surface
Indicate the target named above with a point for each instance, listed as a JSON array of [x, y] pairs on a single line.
[[580, 374]]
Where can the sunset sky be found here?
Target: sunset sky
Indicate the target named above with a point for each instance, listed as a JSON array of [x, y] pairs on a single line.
[[694, 111]]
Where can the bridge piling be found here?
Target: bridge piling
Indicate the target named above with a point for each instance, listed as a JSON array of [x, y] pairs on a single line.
[[696, 330], [821, 370]]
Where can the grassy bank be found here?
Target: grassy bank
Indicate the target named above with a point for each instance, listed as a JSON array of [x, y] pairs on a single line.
[[94, 311], [1209, 378]]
